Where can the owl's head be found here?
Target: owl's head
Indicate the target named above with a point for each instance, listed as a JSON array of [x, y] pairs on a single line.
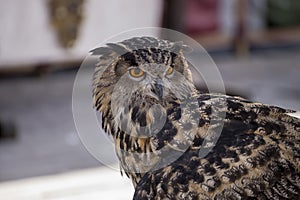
[[136, 81]]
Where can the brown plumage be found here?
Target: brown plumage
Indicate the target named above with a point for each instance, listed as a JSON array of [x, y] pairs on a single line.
[[174, 142]]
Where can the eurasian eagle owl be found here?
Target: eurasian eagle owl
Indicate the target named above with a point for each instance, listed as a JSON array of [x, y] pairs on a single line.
[[160, 124]]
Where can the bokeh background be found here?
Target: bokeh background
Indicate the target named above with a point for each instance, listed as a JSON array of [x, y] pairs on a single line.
[[255, 44]]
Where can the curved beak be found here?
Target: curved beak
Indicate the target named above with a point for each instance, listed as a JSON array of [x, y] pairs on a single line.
[[159, 88]]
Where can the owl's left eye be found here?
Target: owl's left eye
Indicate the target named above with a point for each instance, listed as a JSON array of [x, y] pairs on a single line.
[[136, 72], [170, 71]]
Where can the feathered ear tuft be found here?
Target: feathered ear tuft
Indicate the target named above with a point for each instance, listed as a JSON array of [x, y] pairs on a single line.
[[117, 48], [100, 51], [110, 48], [181, 47]]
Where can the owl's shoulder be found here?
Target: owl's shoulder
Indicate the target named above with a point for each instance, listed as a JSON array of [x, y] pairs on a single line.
[[257, 155]]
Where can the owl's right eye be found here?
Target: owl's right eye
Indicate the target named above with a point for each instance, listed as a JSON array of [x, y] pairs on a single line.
[[136, 72]]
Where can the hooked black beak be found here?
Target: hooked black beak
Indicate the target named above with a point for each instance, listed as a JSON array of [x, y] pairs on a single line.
[[159, 88]]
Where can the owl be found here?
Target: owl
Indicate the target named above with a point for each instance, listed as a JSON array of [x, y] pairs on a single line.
[[175, 142]]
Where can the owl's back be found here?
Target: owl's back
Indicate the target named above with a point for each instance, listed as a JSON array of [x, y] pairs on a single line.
[[257, 156]]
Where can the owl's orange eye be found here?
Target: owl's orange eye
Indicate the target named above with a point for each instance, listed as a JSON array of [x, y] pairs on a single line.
[[136, 72], [170, 71]]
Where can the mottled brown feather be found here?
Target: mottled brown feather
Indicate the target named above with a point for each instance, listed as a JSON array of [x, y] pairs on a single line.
[[256, 157]]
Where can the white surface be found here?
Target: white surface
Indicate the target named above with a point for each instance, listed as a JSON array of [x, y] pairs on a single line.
[[100, 183], [27, 36]]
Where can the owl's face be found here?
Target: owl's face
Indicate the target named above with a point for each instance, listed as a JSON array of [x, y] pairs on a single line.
[[152, 79], [139, 86], [152, 76]]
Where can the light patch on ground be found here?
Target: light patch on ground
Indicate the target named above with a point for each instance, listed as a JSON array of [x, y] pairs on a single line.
[[99, 183]]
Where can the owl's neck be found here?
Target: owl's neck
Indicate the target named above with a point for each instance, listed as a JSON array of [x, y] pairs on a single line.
[[140, 154]]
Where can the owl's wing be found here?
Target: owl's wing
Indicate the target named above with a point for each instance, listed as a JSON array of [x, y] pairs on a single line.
[[256, 157]]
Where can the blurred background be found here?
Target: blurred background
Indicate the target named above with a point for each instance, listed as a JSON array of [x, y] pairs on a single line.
[[255, 44]]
